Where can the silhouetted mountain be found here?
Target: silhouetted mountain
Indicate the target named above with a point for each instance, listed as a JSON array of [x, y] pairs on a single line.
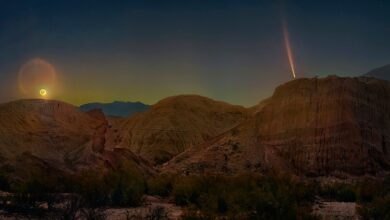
[[380, 73], [120, 109]]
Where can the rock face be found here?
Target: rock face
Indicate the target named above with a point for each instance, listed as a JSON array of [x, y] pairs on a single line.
[[175, 124], [310, 126], [52, 135], [332, 124]]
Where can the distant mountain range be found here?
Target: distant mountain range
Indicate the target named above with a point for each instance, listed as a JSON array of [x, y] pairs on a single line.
[[120, 109], [380, 73]]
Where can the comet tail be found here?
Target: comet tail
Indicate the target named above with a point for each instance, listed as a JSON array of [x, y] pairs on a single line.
[[288, 49]]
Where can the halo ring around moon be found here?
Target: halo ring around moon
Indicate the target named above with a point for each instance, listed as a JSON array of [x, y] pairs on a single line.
[[34, 73]]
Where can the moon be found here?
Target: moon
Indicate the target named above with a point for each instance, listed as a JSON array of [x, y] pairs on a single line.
[[43, 92]]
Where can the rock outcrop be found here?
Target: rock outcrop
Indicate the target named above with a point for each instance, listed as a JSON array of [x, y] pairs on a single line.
[[312, 126], [41, 135]]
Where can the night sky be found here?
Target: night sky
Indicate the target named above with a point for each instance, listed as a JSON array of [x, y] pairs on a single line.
[[148, 50]]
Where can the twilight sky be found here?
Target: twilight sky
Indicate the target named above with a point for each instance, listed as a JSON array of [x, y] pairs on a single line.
[[230, 50]]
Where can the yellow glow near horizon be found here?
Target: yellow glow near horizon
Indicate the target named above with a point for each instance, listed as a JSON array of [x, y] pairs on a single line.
[[43, 92]]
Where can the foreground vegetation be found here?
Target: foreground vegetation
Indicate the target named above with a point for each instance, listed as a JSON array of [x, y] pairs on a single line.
[[245, 196], [251, 196], [84, 195]]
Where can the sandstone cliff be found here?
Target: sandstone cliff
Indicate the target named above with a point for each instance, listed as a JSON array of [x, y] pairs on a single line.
[[309, 126]]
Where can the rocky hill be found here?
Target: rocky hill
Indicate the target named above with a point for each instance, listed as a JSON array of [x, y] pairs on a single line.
[[175, 124], [312, 126], [41, 135]]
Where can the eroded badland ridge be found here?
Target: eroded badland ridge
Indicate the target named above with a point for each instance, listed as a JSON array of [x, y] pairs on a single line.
[[314, 127]]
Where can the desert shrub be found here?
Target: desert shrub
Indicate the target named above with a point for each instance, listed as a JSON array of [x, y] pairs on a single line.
[[92, 189], [70, 183], [29, 196], [153, 213], [379, 208], [71, 207], [4, 184], [89, 191], [187, 190], [157, 213], [374, 197], [33, 191], [242, 197], [93, 214], [367, 190], [160, 185], [339, 192], [125, 188], [119, 187], [127, 193]]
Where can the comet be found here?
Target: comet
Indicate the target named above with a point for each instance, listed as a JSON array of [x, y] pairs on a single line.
[[287, 44]]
